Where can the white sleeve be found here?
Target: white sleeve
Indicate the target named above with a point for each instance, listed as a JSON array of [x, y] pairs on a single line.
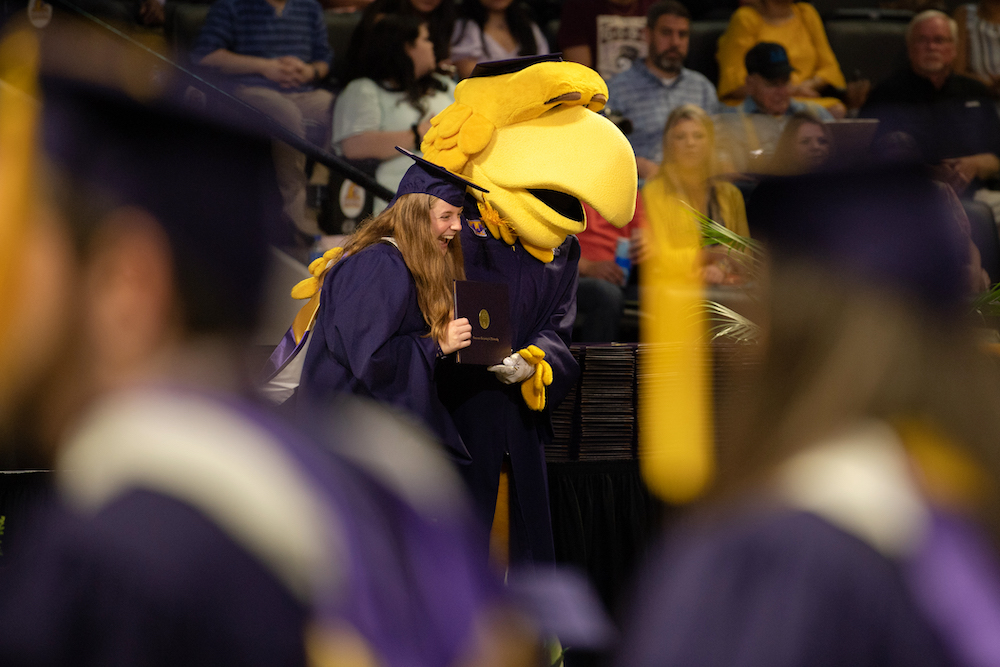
[[356, 110]]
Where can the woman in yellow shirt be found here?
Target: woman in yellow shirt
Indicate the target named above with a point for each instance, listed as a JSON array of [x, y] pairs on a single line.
[[685, 185], [797, 27]]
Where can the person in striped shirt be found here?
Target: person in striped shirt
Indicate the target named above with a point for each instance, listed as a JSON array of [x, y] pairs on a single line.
[[276, 52]]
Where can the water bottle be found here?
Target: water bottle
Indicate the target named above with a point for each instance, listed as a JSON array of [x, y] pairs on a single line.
[[622, 258]]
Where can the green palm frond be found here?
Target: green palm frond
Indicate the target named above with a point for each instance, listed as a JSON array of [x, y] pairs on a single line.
[[726, 322], [987, 304], [750, 252], [713, 233]]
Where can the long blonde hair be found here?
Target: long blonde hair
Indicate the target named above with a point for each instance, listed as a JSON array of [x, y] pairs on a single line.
[[408, 222], [697, 114]]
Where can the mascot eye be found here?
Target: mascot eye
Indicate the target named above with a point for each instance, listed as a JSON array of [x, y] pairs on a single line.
[[566, 205]]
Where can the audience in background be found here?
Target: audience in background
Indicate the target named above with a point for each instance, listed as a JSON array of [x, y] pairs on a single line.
[[391, 102], [604, 286], [438, 14], [815, 73], [603, 34], [276, 51], [950, 116], [686, 187], [978, 47], [748, 135], [652, 87], [805, 145], [494, 30]]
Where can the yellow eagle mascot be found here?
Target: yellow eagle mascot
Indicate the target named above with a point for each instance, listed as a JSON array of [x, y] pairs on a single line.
[[528, 131]]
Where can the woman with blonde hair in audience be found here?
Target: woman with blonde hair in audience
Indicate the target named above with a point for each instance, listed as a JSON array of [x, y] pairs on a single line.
[[685, 187], [805, 145], [798, 28]]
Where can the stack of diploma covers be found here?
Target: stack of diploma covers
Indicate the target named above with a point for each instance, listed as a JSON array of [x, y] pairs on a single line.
[[597, 420], [566, 421]]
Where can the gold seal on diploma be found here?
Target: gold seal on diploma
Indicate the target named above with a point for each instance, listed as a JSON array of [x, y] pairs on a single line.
[[484, 319]]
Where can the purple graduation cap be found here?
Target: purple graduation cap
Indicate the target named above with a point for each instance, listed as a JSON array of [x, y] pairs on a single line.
[[428, 178], [208, 181], [884, 226]]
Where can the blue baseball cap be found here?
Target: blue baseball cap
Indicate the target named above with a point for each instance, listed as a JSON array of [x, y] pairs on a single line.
[[769, 60]]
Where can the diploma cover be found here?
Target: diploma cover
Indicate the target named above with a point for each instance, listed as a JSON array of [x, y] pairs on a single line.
[[487, 305]]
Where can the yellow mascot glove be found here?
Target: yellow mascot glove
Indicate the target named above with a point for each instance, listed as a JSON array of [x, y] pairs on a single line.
[[533, 388]]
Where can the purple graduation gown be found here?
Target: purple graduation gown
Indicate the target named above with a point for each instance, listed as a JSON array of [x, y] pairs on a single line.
[[150, 580], [492, 417], [370, 339], [780, 588]]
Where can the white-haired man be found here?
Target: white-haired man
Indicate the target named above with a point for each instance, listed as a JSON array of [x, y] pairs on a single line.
[[950, 116]]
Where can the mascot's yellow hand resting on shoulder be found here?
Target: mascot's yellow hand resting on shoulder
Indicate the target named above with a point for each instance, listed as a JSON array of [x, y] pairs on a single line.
[[534, 138]]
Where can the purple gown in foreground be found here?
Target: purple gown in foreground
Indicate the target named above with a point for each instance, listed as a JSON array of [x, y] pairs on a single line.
[[133, 564], [779, 588], [492, 417]]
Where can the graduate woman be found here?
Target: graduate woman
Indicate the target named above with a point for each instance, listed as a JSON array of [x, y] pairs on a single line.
[[385, 313]]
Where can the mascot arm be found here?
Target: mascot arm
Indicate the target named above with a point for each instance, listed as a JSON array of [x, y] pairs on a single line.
[[556, 369]]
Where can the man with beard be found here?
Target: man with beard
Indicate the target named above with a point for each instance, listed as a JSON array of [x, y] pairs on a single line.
[[648, 91]]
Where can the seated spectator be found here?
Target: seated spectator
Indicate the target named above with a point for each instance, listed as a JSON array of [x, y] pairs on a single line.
[[603, 34], [601, 292], [651, 88], [805, 145], [391, 104], [686, 187], [494, 30], [978, 53], [748, 138], [950, 117], [815, 73], [438, 14], [276, 51]]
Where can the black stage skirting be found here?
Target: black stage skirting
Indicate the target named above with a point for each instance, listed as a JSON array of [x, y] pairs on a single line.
[[603, 519]]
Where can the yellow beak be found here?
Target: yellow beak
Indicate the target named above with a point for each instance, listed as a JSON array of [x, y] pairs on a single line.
[[538, 171]]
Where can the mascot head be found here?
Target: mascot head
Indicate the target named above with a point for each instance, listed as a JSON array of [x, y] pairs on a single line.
[[528, 131]]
